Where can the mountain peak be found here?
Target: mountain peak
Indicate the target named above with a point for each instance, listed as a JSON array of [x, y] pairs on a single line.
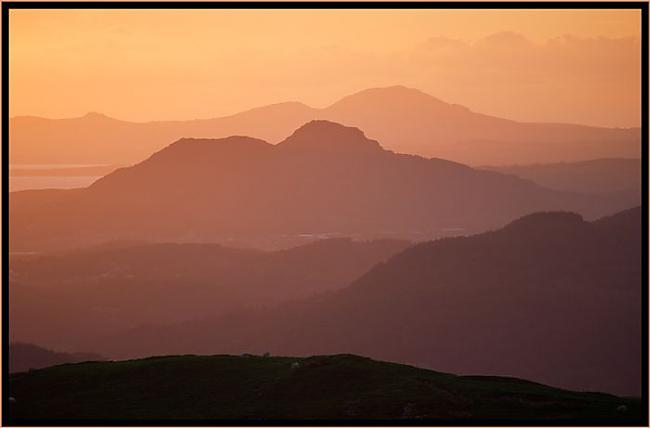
[[393, 96], [95, 115], [186, 150], [330, 137]]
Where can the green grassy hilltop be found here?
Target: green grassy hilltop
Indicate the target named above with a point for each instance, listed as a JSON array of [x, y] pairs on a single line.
[[320, 387]]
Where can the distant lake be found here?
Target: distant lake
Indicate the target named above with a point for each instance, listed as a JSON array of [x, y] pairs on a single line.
[[32, 166], [49, 182], [55, 176]]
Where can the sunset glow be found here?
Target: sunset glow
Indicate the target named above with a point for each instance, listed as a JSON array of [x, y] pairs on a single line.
[[358, 216], [575, 66]]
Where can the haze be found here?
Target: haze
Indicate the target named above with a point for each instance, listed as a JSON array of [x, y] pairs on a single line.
[[557, 66], [413, 215]]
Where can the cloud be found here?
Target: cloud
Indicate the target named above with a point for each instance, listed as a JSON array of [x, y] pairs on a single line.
[[512, 55], [589, 80]]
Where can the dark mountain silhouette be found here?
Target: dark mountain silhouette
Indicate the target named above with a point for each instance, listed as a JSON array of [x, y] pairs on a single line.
[[67, 299], [25, 356], [324, 387], [403, 119], [549, 297], [593, 176], [325, 179]]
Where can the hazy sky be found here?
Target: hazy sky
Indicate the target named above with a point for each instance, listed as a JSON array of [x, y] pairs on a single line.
[[579, 66]]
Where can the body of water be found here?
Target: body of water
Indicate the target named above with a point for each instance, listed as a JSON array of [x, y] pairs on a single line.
[[55, 176], [17, 183]]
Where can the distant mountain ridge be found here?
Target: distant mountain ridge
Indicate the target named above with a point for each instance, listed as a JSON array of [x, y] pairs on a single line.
[[549, 297], [592, 176], [122, 284], [26, 356], [324, 179], [403, 119]]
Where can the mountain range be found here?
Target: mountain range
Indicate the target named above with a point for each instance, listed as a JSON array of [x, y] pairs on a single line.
[[405, 120], [549, 297], [67, 300], [325, 179], [592, 176]]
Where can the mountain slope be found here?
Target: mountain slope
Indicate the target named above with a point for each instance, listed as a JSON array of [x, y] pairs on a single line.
[[549, 297], [67, 300], [335, 387], [414, 122], [403, 119], [99, 139], [593, 176], [25, 356], [323, 179]]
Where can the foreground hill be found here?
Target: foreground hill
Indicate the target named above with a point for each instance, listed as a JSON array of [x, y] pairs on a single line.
[[405, 120], [25, 356], [593, 176], [550, 297], [66, 300], [321, 387], [325, 179]]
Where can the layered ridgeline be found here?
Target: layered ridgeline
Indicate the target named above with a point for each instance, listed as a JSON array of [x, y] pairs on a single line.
[[67, 301], [592, 176], [26, 356], [550, 297], [405, 120], [323, 180], [333, 387]]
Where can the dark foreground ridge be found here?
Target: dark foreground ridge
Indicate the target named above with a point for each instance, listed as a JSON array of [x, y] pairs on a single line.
[[321, 387]]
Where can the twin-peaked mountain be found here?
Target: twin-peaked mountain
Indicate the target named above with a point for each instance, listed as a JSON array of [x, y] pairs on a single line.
[[324, 180], [403, 119]]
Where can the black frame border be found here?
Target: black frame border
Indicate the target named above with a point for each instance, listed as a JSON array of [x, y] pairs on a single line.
[[642, 6]]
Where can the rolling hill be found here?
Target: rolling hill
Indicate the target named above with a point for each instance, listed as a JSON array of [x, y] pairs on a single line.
[[67, 300], [403, 119], [550, 297], [325, 179], [259, 389]]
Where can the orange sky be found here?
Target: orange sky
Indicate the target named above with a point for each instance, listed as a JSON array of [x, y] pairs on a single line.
[[579, 66]]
